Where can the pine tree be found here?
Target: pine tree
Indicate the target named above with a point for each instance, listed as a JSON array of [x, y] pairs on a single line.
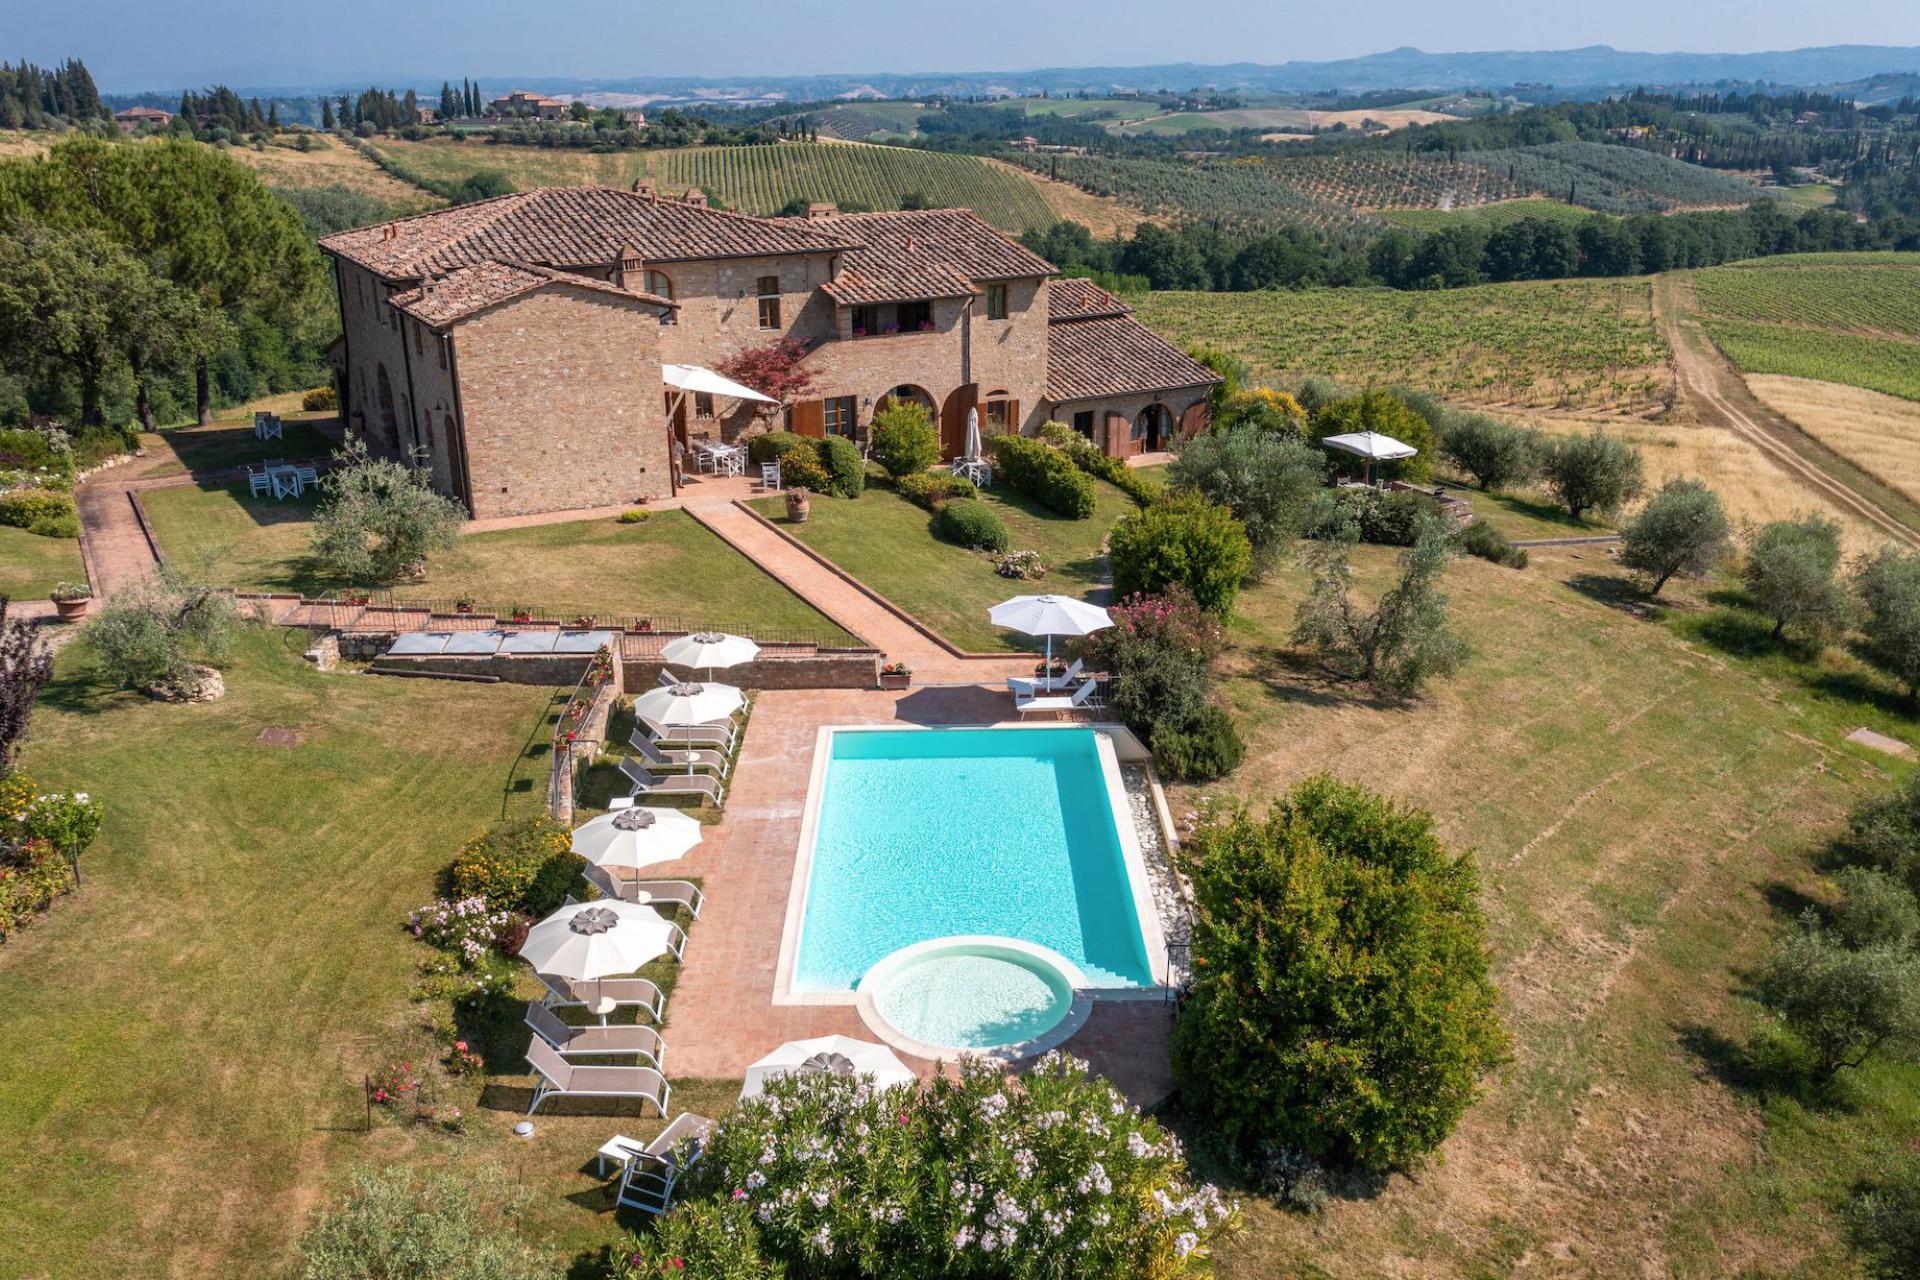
[[273, 114], [326, 114], [448, 108], [346, 112]]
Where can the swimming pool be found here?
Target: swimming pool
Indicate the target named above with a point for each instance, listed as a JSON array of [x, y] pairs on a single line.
[[924, 834]]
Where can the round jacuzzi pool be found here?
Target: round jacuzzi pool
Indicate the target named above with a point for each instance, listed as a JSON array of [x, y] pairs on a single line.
[[997, 996]]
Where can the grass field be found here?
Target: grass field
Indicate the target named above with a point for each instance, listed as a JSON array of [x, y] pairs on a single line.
[[1878, 433], [883, 540], [758, 180], [1636, 796], [1852, 319], [1490, 216], [1588, 344], [668, 567], [31, 566]]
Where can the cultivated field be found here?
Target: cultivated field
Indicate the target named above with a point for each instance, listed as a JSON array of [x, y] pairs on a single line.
[[1878, 433], [331, 163], [1490, 216], [1842, 318], [1557, 344]]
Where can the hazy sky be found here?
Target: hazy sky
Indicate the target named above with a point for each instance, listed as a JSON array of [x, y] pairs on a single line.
[[135, 44]]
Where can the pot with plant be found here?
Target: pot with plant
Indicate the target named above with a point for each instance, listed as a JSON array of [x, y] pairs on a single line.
[[72, 600], [896, 675], [799, 505], [463, 605]]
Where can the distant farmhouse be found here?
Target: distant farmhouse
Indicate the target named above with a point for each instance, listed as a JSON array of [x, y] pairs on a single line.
[[513, 348], [522, 103], [134, 118]]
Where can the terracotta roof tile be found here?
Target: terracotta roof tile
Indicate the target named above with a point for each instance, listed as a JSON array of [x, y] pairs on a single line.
[[1078, 299], [445, 300], [924, 253], [1115, 355], [572, 227]]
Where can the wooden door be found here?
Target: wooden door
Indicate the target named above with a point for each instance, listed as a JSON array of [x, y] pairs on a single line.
[[1119, 437], [953, 419], [1196, 419], [808, 418]]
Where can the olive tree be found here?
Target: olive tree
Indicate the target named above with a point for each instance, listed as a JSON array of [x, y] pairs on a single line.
[[1844, 1004], [1682, 530], [1271, 482], [1889, 587], [1594, 472], [378, 520], [1792, 572], [1496, 454], [1404, 640]]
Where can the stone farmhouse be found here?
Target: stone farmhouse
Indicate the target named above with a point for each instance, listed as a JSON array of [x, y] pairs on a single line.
[[513, 347], [522, 103]]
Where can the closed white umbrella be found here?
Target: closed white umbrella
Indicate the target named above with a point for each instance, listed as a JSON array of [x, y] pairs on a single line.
[[972, 453], [638, 837], [603, 939], [708, 650], [835, 1055], [1049, 616], [689, 703]]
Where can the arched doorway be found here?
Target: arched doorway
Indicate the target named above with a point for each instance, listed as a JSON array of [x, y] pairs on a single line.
[[906, 393], [1153, 428]]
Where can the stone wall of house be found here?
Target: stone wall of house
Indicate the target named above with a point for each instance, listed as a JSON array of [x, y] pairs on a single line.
[[374, 345], [430, 364], [1011, 355], [562, 403]]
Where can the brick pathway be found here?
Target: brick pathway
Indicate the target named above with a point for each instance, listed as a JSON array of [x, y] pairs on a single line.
[[849, 606], [722, 1015]]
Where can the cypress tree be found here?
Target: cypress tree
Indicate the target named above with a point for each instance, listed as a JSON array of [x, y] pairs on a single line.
[[326, 114]]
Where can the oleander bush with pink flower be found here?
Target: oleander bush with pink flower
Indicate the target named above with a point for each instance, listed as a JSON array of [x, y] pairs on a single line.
[[463, 927], [1051, 1175]]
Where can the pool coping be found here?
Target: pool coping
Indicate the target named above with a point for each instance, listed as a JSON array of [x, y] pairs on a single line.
[[1108, 740]]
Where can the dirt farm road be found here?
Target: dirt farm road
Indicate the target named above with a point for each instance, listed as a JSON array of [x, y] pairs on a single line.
[[1714, 390]]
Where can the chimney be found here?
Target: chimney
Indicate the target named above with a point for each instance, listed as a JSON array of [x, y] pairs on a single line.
[[645, 187], [820, 209], [912, 247], [629, 271], [696, 196]]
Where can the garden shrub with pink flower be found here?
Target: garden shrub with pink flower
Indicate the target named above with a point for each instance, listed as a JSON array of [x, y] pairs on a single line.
[[1051, 1175]]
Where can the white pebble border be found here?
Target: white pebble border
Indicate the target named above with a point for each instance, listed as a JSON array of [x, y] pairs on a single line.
[[1176, 918]]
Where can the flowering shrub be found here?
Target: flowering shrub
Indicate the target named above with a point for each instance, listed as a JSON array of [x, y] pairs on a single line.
[[1024, 565], [466, 927], [395, 1085], [524, 865], [40, 832], [68, 820], [1054, 1175], [32, 875], [463, 1061]]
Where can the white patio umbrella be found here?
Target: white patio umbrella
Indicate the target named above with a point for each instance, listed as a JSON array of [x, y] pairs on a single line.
[[691, 377], [603, 939], [689, 703], [1372, 446], [709, 650], [638, 837], [838, 1055], [1049, 616], [972, 450]]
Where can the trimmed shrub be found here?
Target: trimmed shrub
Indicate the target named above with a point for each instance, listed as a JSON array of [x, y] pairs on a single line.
[[931, 489], [904, 439], [1341, 1004], [1044, 474], [1208, 747], [25, 508], [63, 526], [523, 865], [1182, 540], [320, 398], [844, 463], [1884, 833], [970, 523], [802, 469], [1483, 540], [774, 446]]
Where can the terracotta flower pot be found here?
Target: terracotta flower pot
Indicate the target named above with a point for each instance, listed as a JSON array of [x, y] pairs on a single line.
[[72, 610], [799, 506], [896, 680]]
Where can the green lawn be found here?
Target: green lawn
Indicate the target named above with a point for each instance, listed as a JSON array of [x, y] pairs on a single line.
[[669, 567], [30, 565], [1639, 798], [1522, 517], [222, 448], [884, 540]]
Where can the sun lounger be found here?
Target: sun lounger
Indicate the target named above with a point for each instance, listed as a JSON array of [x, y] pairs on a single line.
[[562, 1079], [1055, 702], [639, 1041], [633, 993], [718, 735], [678, 758], [1021, 687], [665, 893], [671, 784], [649, 1175]]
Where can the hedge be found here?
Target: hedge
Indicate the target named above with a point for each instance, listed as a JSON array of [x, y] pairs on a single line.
[[932, 489], [1044, 474], [970, 523], [39, 510], [1095, 461], [844, 463]]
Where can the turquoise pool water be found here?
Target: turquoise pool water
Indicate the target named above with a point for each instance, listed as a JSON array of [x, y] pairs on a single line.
[[930, 833]]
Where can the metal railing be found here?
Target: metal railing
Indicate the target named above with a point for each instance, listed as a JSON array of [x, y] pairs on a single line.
[[571, 722]]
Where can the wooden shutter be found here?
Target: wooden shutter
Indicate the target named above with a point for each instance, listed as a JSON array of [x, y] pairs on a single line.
[[1119, 435], [808, 418], [1195, 419]]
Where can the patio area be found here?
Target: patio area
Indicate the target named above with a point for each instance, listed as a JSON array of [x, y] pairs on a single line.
[[723, 1016]]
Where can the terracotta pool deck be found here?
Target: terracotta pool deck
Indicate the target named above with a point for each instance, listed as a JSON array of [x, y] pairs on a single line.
[[722, 1016]]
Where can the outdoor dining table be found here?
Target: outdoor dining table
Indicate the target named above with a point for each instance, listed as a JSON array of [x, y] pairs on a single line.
[[287, 480]]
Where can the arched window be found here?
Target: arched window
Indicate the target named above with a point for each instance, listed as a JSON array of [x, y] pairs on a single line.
[[659, 283]]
